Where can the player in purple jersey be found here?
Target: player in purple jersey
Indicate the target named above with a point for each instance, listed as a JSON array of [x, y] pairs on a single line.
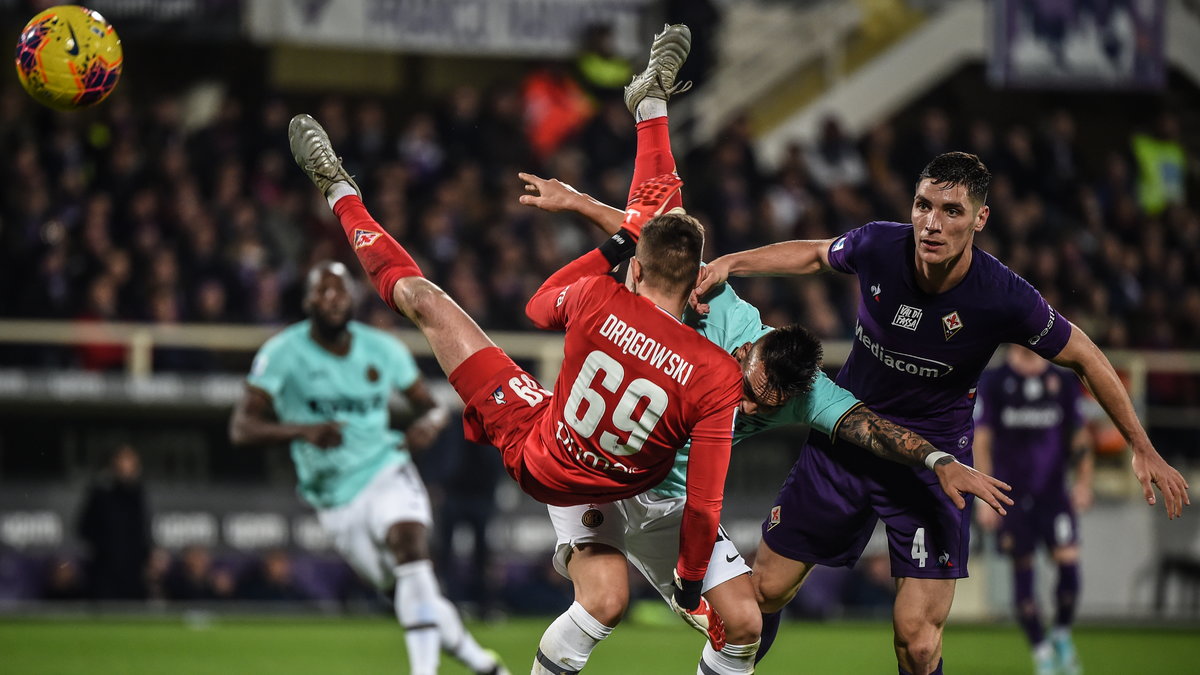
[[933, 310], [1029, 430]]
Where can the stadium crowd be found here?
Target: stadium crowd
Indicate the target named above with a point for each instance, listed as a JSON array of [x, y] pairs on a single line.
[[162, 216]]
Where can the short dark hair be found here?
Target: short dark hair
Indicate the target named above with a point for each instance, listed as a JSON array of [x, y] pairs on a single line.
[[959, 168], [669, 250], [790, 356]]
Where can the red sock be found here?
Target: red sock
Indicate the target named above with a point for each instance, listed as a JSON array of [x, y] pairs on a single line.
[[654, 156], [384, 260]]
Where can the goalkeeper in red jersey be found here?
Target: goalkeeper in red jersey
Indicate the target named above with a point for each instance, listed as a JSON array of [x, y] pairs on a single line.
[[635, 385]]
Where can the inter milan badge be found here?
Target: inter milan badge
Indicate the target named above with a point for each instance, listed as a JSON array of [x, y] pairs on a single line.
[[951, 324], [774, 517], [372, 374], [364, 238], [592, 518], [498, 396]]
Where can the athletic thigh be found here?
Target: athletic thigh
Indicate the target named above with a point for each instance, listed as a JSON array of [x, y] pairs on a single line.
[[928, 537], [575, 526], [822, 513], [652, 524], [359, 528]]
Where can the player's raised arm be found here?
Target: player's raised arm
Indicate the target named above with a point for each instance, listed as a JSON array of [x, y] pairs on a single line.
[[550, 306], [254, 423], [555, 196], [1091, 365], [893, 442], [787, 259]]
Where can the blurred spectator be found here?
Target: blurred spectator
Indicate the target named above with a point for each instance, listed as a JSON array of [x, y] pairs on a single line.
[[64, 581], [271, 580], [115, 524], [1162, 164], [600, 69], [556, 108], [872, 590], [194, 577]]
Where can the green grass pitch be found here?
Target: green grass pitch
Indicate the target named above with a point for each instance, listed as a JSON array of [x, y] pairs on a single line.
[[296, 646]]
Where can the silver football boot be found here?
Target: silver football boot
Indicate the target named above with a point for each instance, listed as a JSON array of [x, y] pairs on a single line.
[[314, 153], [667, 54]]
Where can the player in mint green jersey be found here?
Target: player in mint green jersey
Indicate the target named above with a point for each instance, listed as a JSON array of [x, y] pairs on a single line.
[[783, 386], [323, 385]]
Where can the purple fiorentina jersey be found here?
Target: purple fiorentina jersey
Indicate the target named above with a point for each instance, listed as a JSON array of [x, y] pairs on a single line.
[[917, 357], [1032, 421]]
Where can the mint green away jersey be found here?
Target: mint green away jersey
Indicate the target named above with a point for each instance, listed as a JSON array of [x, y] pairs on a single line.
[[731, 323], [309, 385]]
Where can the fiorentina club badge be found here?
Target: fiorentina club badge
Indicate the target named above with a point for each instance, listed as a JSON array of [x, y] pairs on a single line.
[[774, 517], [364, 238], [951, 324]]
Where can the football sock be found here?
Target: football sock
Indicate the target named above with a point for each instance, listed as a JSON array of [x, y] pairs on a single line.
[[770, 628], [654, 156], [569, 641], [338, 190], [417, 609], [731, 660], [1066, 593], [1026, 604], [457, 642], [650, 108], [384, 260]]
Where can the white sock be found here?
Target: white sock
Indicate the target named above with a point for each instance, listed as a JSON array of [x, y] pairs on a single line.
[[731, 660], [338, 190], [568, 642], [650, 108], [457, 642], [417, 598]]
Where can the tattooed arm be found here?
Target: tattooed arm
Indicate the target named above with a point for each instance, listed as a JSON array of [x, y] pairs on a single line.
[[890, 441]]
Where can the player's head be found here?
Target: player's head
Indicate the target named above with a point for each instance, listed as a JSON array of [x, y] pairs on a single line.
[[777, 367], [1025, 362], [329, 296], [949, 206], [668, 254]]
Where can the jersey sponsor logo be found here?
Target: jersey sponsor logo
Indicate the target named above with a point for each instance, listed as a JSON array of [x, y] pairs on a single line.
[[562, 297], [876, 289], [907, 317], [1045, 331], [328, 407], [905, 363], [838, 245], [775, 517], [731, 558], [632, 341], [944, 560], [364, 238], [498, 396], [951, 324], [1026, 417]]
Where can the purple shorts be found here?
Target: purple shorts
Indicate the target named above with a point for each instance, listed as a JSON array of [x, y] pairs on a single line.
[[827, 508], [1046, 519]]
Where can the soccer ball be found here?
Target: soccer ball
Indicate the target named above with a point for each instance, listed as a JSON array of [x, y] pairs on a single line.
[[68, 57]]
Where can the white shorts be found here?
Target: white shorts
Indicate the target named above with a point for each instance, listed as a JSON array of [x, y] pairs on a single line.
[[359, 528], [646, 529]]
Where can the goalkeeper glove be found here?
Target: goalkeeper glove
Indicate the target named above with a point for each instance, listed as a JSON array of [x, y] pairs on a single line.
[[649, 200], [687, 602]]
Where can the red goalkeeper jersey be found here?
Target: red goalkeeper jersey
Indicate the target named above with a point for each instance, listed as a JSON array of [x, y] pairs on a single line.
[[636, 384]]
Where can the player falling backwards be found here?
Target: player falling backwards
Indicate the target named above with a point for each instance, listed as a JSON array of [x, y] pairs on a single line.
[[636, 384], [782, 385], [1029, 427], [933, 310], [323, 385]]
